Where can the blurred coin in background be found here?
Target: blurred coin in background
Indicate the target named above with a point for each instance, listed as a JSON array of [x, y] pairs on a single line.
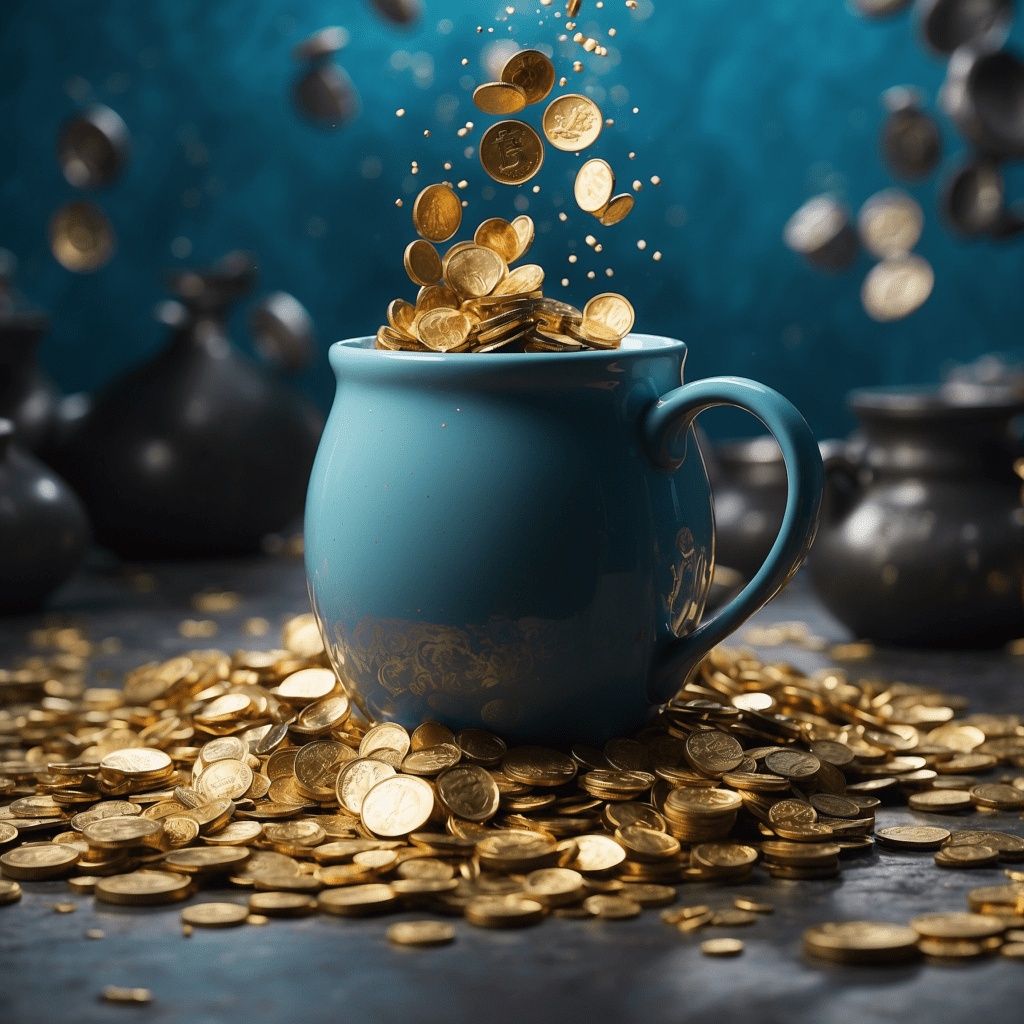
[[81, 237], [93, 147], [890, 223], [821, 232], [897, 287]]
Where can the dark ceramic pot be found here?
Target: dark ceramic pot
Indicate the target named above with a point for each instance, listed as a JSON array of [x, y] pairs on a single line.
[[922, 530], [200, 451], [750, 501], [43, 529], [28, 398]]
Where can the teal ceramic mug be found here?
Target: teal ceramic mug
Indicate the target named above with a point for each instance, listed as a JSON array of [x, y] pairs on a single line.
[[524, 542]]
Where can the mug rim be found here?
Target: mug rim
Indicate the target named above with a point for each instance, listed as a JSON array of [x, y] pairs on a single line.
[[634, 346]]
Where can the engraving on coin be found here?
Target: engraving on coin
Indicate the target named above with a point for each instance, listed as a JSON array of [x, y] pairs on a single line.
[[572, 122], [595, 183], [398, 806], [532, 72], [437, 213], [511, 152]]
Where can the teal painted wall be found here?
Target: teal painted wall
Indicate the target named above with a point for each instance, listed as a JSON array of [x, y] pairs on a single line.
[[746, 108]]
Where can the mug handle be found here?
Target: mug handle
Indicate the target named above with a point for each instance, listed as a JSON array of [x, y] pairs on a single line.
[[665, 429]]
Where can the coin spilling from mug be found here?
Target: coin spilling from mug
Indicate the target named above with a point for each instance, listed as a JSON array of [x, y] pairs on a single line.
[[471, 301]]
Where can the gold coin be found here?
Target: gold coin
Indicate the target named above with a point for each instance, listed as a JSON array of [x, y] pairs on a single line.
[[420, 933], [81, 237], [596, 853], [723, 855], [618, 815], [613, 310], [398, 806], [533, 72], [180, 831], [225, 779], [521, 281], [212, 816], [957, 926], [721, 947], [8, 833], [376, 860], [742, 903], [469, 792], [511, 152], [861, 941], [595, 183], [282, 904], [357, 778], [832, 752], [317, 765], [897, 287], [792, 812], [525, 230], [1009, 847], [115, 994], [111, 833], [940, 801], [498, 234], [300, 833], [835, 806], [431, 760], [913, 837], [572, 122], [223, 748], [611, 908], [479, 746], [474, 271], [703, 801], [499, 98], [503, 912], [425, 867], [138, 761], [1012, 950], [357, 900], [644, 844], [35, 807], [10, 892], [437, 213], [207, 860], [305, 686], [995, 795], [422, 263], [890, 223], [538, 766], [215, 915], [430, 734], [323, 714], [400, 315], [442, 330], [143, 888], [966, 856], [554, 887], [792, 764], [618, 209], [648, 895], [712, 752]]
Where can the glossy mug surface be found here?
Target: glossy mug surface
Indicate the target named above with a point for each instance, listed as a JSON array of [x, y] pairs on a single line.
[[524, 542]]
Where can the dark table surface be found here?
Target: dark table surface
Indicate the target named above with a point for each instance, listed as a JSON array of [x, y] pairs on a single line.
[[326, 968]]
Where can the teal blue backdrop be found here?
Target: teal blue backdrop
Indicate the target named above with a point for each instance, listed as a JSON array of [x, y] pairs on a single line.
[[746, 107]]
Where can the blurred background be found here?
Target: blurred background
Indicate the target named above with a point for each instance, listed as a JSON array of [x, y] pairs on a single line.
[[745, 108]]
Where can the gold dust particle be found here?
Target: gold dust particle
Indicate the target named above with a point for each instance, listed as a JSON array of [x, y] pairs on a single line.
[[638, 185], [447, 165], [656, 256], [562, 82], [479, 28], [95, 933], [565, 282], [572, 258], [464, 203], [115, 994], [579, 38], [400, 112], [636, 110], [641, 244], [599, 247], [461, 133], [536, 189], [216, 601], [632, 156], [591, 275], [255, 626], [590, 240], [426, 133], [609, 272], [613, 32], [577, 66], [470, 126], [490, 30], [398, 202], [655, 180], [609, 121], [186, 930], [465, 61], [257, 919], [65, 908], [562, 217], [510, 10], [463, 183], [631, 4], [414, 170]]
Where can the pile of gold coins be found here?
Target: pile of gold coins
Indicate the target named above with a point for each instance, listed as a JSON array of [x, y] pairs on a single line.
[[253, 771], [470, 301]]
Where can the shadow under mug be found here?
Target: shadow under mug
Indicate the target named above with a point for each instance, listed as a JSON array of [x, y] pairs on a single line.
[[525, 542]]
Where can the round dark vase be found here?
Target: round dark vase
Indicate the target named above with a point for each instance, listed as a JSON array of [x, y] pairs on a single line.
[[43, 528], [921, 539], [750, 501], [28, 398], [200, 451]]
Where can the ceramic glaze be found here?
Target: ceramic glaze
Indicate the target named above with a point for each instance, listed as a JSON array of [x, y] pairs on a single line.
[[525, 542]]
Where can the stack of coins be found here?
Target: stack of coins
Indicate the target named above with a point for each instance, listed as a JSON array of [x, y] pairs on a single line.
[[470, 301], [862, 942], [697, 814]]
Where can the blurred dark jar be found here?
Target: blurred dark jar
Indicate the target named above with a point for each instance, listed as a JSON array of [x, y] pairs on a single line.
[[749, 483], [43, 528], [922, 531]]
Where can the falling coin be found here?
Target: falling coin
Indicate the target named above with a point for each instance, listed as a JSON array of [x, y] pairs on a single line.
[[499, 98], [421, 933], [532, 72], [81, 237], [572, 122], [821, 232], [595, 184], [890, 223], [437, 213], [511, 152], [93, 147], [895, 288]]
